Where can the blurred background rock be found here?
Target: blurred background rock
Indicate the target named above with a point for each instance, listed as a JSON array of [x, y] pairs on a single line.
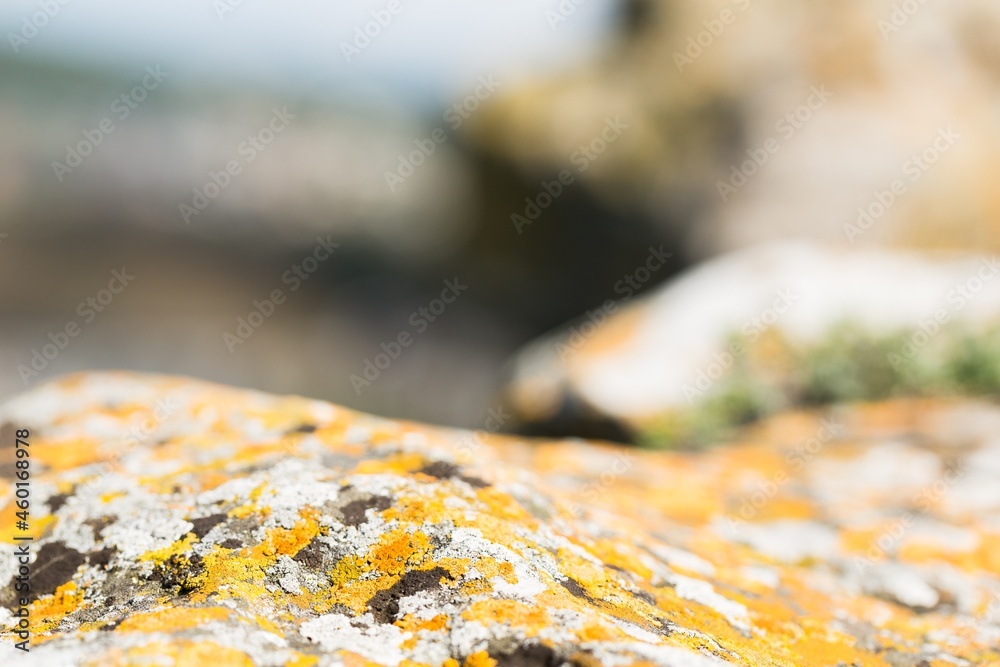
[[569, 74]]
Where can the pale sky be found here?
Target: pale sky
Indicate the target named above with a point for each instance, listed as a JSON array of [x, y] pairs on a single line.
[[428, 52]]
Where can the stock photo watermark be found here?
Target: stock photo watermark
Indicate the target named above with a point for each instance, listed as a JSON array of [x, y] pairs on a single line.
[[419, 320], [264, 309], [628, 286], [959, 297], [713, 29], [246, 153], [581, 158], [914, 168], [884, 545], [121, 108], [786, 126], [795, 460], [750, 331], [34, 23], [899, 16], [425, 147], [370, 30], [87, 310], [562, 13]]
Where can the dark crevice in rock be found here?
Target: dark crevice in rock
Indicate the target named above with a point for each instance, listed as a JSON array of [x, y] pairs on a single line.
[[54, 566], [203, 525], [384, 605], [354, 511], [311, 556], [57, 500], [533, 655], [445, 470], [576, 589], [101, 558]]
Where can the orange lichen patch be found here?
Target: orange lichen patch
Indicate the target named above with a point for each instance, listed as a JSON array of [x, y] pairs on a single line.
[[983, 557], [352, 659], [401, 463], [415, 509], [289, 541], [240, 574], [782, 508], [172, 619], [302, 660], [47, 612], [67, 454], [398, 551], [179, 653], [479, 659], [38, 525], [818, 651], [411, 623], [179, 547], [689, 501], [529, 618], [616, 555], [212, 479]]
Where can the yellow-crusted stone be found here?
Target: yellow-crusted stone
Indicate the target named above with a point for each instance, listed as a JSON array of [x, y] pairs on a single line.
[[183, 523]]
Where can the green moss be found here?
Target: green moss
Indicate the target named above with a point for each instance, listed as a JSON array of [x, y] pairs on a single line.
[[847, 365]]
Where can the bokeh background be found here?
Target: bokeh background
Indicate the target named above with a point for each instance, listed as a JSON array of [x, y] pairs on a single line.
[[698, 127]]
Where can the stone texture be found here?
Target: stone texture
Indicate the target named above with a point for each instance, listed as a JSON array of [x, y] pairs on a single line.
[[184, 523], [778, 317], [706, 85]]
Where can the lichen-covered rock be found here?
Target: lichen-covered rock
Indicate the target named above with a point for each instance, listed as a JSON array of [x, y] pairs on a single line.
[[183, 523], [758, 330]]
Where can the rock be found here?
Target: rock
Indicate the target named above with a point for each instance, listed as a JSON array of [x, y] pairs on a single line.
[[183, 523], [767, 327], [853, 122]]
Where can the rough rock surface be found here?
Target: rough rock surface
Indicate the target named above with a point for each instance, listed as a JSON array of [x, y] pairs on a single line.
[[185, 523], [676, 347]]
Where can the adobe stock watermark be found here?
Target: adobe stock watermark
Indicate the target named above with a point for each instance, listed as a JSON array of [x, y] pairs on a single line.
[[34, 23], [264, 308], [87, 310], [928, 328], [581, 158], [714, 28], [121, 108], [885, 544], [627, 287], [224, 8], [419, 320], [786, 127], [246, 152], [140, 432], [454, 116], [795, 460], [750, 331], [472, 443], [914, 168], [593, 489], [562, 13], [900, 15], [370, 30]]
